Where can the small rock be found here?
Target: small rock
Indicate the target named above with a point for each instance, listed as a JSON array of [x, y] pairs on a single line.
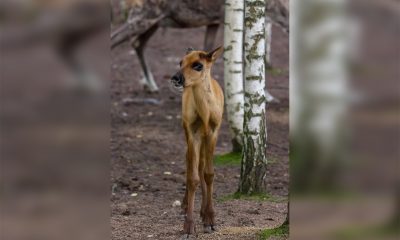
[[134, 194], [152, 101], [126, 212], [177, 203], [150, 114], [172, 163], [178, 116], [141, 188], [167, 173], [124, 114], [149, 236], [253, 211], [114, 188], [139, 136], [169, 117]]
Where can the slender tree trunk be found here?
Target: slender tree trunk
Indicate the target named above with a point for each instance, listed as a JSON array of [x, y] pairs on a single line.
[[233, 69], [254, 161]]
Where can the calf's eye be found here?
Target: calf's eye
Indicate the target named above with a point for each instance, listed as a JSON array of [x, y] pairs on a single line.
[[197, 66]]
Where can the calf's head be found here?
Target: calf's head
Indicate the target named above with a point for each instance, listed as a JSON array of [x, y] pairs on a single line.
[[194, 68]]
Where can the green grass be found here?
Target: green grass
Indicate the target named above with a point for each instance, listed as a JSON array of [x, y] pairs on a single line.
[[235, 158], [252, 197], [281, 231], [230, 159]]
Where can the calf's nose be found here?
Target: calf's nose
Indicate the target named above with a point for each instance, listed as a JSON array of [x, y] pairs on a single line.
[[175, 78]]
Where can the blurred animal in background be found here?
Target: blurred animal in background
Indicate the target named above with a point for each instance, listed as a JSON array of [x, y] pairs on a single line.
[[141, 18], [145, 17], [61, 24], [278, 11]]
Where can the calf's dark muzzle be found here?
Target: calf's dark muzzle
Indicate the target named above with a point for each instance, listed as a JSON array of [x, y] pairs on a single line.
[[178, 79]]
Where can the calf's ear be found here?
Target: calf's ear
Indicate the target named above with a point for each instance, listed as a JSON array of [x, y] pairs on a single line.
[[215, 54], [189, 50]]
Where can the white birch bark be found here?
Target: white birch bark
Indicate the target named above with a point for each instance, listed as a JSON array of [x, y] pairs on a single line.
[[253, 169], [319, 90], [233, 69]]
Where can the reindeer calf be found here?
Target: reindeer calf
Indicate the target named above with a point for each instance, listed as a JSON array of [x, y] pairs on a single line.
[[202, 109]]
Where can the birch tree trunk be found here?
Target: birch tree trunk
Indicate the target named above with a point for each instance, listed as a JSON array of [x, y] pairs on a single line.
[[233, 69], [254, 161]]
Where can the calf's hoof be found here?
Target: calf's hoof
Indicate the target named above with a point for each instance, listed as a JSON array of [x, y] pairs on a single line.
[[187, 237], [209, 228], [189, 227]]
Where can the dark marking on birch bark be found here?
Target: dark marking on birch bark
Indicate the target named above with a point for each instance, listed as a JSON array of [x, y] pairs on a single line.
[[253, 78], [229, 48]]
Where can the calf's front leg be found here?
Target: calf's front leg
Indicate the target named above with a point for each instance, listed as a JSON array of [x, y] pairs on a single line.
[[192, 181]]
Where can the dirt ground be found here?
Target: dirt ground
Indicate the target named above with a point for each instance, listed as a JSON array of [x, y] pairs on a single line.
[[148, 147]]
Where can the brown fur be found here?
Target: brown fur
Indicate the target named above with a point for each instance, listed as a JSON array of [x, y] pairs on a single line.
[[202, 110]]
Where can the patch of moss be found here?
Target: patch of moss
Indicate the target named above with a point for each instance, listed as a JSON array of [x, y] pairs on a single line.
[[231, 159], [252, 197], [272, 160], [366, 232], [275, 72], [281, 231]]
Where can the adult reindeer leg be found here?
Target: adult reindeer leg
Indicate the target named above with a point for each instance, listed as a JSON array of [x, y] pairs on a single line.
[[211, 33], [139, 45], [83, 78]]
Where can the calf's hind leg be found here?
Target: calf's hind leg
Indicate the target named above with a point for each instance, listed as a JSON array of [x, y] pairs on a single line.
[[209, 214], [202, 181]]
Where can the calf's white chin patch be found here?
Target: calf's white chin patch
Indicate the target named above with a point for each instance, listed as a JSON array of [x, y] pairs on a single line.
[[175, 88]]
